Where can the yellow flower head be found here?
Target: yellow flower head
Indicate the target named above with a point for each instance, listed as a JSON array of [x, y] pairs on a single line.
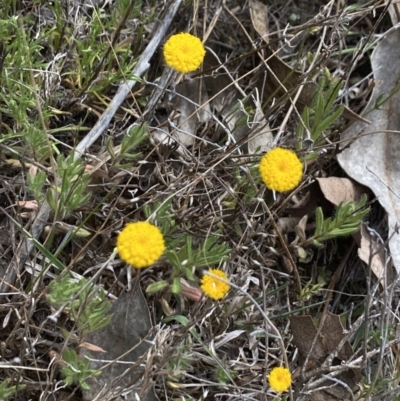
[[184, 52], [140, 244], [214, 288], [281, 169], [280, 379]]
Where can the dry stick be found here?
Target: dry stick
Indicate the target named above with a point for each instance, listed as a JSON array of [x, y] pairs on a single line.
[[125, 88], [26, 246]]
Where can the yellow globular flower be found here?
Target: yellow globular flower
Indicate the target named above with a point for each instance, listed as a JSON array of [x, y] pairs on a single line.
[[280, 379], [140, 244], [184, 52], [281, 169], [212, 287]]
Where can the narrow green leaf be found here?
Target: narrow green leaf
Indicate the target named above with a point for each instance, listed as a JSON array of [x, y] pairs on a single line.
[[176, 285], [323, 125], [319, 219], [157, 286], [189, 274], [173, 258], [318, 244], [319, 109], [183, 320]]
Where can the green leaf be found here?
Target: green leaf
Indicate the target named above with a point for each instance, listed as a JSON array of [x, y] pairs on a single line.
[[318, 244], [183, 320], [320, 106], [339, 232], [173, 258], [176, 285], [319, 219], [157, 286], [346, 221], [189, 274], [327, 122]]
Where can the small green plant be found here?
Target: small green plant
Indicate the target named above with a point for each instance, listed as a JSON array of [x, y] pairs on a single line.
[[347, 220], [134, 137], [180, 362], [36, 182], [86, 303], [165, 220], [7, 391], [309, 290], [224, 375], [320, 115], [88, 306], [97, 65], [70, 193], [186, 260], [76, 370], [181, 253]]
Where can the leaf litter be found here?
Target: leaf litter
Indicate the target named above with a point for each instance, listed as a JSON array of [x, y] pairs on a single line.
[[371, 152]]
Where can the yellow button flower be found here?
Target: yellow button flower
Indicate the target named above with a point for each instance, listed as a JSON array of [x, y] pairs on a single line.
[[140, 244], [214, 288], [280, 379], [281, 169], [184, 52]]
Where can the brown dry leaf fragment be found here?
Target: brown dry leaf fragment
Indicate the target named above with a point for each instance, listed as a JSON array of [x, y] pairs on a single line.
[[336, 190], [124, 341], [260, 137], [287, 224], [190, 108], [319, 347], [259, 18], [281, 78], [394, 11], [333, 333], [230, 102], [304, 332], [33, 205], [373, 158], [91, 347], [300, 229], [373, 254]]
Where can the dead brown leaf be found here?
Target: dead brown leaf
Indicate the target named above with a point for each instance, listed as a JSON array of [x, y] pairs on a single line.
[[373, 254], [259, 18], [336, 190], [373, 158], [91, 347], [226, 98], [123, 340], [318, 346], [281, 79]]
